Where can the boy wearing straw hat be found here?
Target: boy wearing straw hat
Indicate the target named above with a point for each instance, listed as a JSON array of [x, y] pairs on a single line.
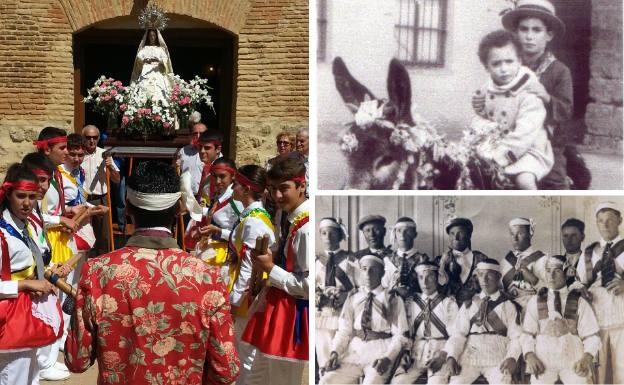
[[601, 269], [486, 337], [560, 329], [370, 332], [430, 315], [334, 281]]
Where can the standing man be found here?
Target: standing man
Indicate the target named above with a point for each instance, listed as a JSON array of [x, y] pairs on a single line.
[[150, 310], [572, 236], [302, 146], [189, 159], [400, 274], [209, 150], [370, 331], [374, 229], [458, 265], [600, 269], [95, 165]]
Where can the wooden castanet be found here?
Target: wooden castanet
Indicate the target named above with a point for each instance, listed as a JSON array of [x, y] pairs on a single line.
[[257, 281]]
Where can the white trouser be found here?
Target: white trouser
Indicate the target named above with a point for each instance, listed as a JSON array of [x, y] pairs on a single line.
[[469, 374], [351, 374], [72, 278], [567, 376], [48, 355], [422, 351], [611, 357], [324, 339], [246, 352], [272, 371], [19, 368]]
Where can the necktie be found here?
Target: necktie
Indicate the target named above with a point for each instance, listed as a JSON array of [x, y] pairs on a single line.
[[36, 252], [284, 227], [427, 331], [367, 314], [330, 270], [403, 270], [483, 311], [608, 265], [558, 302], [202, 181]]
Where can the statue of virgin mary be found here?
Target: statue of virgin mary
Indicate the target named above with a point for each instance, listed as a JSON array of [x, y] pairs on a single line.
[[152, 67]]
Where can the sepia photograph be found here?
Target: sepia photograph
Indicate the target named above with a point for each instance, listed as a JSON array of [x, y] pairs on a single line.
[[448, 94], [469, 289]]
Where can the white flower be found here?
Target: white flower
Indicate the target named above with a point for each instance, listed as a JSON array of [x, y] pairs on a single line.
[[349, 143], [367, 113]]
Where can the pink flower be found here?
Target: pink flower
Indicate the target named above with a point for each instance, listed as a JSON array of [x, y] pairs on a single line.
[[123, 107], [166, 125], [125, 120], [157, 118], [144, 287], [117, 84], [113, 92], [126, 273], [106, 98], [110, 359], [163, 347], [185, 100], [148, 111]]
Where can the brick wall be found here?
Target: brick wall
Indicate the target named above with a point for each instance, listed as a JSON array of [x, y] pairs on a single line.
[[36, 68], [604, 113]]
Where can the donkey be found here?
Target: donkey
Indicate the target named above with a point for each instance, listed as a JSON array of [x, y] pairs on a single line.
[[376, 162]]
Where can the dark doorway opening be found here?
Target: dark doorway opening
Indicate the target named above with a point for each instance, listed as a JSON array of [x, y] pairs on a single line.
[[574, 49], [206, 52]]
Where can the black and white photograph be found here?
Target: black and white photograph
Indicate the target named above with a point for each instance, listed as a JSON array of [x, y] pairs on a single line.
[[460, 95], [469, 289]]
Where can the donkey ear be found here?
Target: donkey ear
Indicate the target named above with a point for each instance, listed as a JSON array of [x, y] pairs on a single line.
[[400, 91], [352, 91]]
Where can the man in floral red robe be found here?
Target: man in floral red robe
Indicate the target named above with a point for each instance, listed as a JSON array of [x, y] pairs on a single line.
[[149, 312]]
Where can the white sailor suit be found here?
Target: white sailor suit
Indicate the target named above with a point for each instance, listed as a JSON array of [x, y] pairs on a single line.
[[358, 347], [333, 268], [609, 308], [514, 283], [481, 343], [559, 338], [430, 319]]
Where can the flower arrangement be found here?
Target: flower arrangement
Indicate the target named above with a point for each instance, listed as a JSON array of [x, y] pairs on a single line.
[[144, 116]]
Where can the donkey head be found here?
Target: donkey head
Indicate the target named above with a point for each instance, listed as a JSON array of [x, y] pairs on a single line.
[[373, 161]]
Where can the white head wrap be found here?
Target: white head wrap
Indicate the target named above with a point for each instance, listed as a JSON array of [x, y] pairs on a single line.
[[489, 266], [373, 258], [188, 199], [524, 222], [400, 225], [606, 205], [426, 266], [335, 223], [152, 202]]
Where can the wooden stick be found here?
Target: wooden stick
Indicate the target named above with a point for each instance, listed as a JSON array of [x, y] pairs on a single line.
[[257, 282], [60, 283], [111, 235]]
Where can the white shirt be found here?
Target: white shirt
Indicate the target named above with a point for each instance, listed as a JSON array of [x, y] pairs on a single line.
[[70, 190], [191, 162], [51, 213], [587, 325], [295, 283], [225, 217], [95, 172], [252, 228], [446, 311], [351, 320], [20, 255]]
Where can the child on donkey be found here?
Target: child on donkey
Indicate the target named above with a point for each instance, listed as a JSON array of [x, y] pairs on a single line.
[[514, 111]]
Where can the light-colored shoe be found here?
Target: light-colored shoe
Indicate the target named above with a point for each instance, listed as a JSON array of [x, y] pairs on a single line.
[[53, 374], [60, 366]]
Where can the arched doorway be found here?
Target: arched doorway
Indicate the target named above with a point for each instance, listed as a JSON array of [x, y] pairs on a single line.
[[110, 48]]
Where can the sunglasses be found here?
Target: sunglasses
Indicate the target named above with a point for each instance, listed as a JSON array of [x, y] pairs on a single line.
[[96, 137], [283, 142]]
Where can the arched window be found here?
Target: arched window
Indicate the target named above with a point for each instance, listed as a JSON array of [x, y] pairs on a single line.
[[420, 32]]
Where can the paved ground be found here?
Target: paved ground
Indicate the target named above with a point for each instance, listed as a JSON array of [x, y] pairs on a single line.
[[90, 378], [607, 170]]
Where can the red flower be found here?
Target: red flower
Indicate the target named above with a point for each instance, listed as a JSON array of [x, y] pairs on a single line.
[[157, 118], [125, 120], [123, 107], [166, 125]]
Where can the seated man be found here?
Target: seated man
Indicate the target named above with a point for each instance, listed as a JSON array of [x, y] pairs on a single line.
[[430, 315], [486, 337], [370, 331], [561, 333]]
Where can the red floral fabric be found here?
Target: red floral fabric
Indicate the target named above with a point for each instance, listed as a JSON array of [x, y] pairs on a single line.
[[152, 317]]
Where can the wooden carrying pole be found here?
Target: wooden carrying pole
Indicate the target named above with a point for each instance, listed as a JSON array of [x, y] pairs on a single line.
[[111, 236]]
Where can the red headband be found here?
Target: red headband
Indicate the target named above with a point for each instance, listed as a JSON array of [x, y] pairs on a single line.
[[44, 144], [21, 185], [242, 179], [223, 167], [298, 179], [40, 172]]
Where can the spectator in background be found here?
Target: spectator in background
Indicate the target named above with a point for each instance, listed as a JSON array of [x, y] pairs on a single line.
[[95, 164], [189, 159], [285, 142]]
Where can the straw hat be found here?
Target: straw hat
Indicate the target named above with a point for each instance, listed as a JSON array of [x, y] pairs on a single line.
[[541, 9]]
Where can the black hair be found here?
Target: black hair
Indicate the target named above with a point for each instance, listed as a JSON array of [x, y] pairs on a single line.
[[75, 141], [154, 177], [257, 175], [225, 161], [17, 172], [285, 169], [38, 160], [497, 39], [211, 135], [573, 222], [51, 132]]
